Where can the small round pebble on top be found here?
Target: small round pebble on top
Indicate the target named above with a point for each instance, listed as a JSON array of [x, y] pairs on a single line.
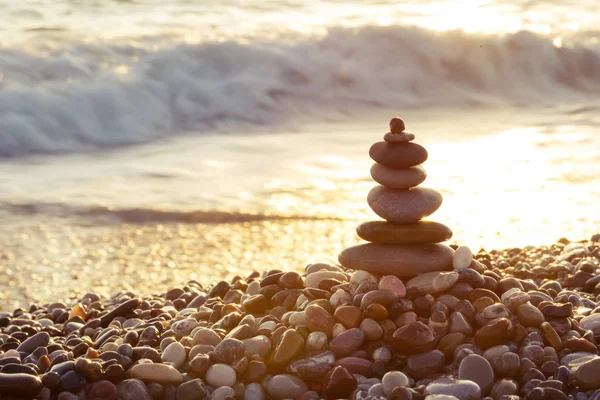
[[397, 125]]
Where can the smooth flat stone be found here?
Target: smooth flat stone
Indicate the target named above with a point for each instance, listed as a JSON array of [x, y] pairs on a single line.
[[477, 369], [389, 233], [404, 178], [587, 375], [398, 155], [402, 260], [398, 137], [592, 323], [461, 389], [404, 206], [433, 282], [161, 373]]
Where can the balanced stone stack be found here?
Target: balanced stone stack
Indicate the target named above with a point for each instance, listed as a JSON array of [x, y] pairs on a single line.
[[403, 245]]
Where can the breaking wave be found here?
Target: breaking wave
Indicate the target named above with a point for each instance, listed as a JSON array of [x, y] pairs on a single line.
[[85, 96]]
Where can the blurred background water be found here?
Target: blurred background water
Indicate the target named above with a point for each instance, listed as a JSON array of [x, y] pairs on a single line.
[[143, 143]]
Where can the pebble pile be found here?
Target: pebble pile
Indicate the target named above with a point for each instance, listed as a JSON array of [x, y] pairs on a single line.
[[403, 245], [518, 323]]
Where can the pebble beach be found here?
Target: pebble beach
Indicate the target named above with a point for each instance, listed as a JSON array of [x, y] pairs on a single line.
[[517, 323]]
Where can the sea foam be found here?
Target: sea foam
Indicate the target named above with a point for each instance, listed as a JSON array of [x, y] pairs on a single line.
[[83, 96]]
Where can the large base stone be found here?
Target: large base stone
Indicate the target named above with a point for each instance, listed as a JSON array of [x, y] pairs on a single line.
[[402, 260]]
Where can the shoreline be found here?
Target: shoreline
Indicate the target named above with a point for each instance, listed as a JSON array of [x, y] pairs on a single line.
[[517, 322]]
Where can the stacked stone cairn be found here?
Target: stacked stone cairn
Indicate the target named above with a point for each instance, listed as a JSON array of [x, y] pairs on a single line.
[[403, 245], [502, 325]]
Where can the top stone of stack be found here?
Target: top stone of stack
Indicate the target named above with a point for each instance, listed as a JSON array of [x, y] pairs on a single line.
[[403, 245], [396, 133]]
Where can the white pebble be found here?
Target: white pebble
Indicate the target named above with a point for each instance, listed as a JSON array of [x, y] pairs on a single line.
[[222, 393], [253, 288], [359, 277], [508, 293], [297, 318], [337, 329], [316, 341], [376, 390], [254, 392], [392, 380], [270, 325], [340, 297], [220, 375], [463, 257], [301, 299], [313, 279], [174, 353]]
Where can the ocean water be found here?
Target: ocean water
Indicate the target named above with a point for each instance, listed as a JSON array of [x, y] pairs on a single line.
[[147, 141]]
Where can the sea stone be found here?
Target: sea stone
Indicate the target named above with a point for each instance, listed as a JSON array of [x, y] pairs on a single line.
[[397, 125], [413, 338], [175, 354], [220, 375], [404, 206], [319, 320], [491, 312], [313, 279], [458, 323], [321, 266], [372, 329], [228, 350], [347, 342], [392, 380], [105, 390], [254, 391], [260, 345], [399, 137], [398, 178], [461, 389], [316, 341], [19, 385], [160, 373], [591, 323], [338, 384], [587, 375], [404, 261], [382, 297], [349, 316], [504, 387], [529, 315], [205, 336], [222, 393], [314, 367], [388, 233], [286, 386], [392, 283], [432, 282], [463, 257], [289, 347], [398, 155], [477, 369], [425, 364], [35, 341], [493, 334], [192, 390], [131, 389]]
